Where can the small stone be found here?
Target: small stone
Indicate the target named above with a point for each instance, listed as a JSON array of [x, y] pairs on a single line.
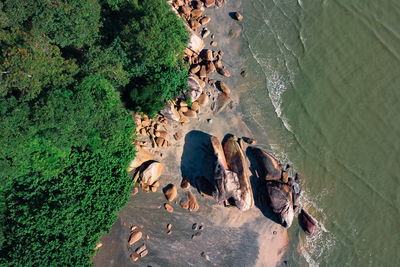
[[204, 255], [190, 202], [133, 228], [205, 33], [224, 88], [134, 257], [185, 184], [169, 226], [156, 184], [243, 73], [196, 13], [195, 106], [274, 232], [224, 72], [134, 237], [194, 226], [170, 192], [212, 36], [238, 16], [99, 245], [144, 253], [168, 207], [153, 189], [200, 227], [205, 20], [183, 109], [203, 99], [169, 232], [214, 43], [190, 114], [135, 190], [209, 120], [141, 249], [209, 3]]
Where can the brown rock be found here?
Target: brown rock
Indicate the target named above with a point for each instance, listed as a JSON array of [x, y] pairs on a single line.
[[134, 237], [169, 226], [198, 4], [141, 249], [162, 134], [194, 24], [195, 106], [168, 207], [185, 10], [190, 114], [169, 232], [185, 184], [134, 257], [224, 72], [144, 253], [222, 102], [183, 103], [133, 228], [205, 20], [99, 245], [209, 3], [208, 55], [203, 99], [196, 13], [153, 189], [212, 82], [218, 3], [203, 71], [177, 136], [156, 184], [218, 64], [213, 43], [160, 141], [238, 16], [210, 67], [152, 173], [189, 202], [188, 52], [170, 192], [135, 190], [205, 33], [195, 69], [183, 109], [145, 187], [224, 88]]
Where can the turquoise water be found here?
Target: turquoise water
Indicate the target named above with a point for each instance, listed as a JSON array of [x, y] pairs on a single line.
[[325, 93]]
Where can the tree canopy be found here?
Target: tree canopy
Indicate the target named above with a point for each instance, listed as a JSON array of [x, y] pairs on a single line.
[[71, 72]]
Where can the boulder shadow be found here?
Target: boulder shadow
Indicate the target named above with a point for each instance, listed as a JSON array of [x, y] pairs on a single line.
[[198, 162], [259, 187]]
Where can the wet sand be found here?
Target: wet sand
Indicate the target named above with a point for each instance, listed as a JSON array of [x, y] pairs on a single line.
[[229, 237]]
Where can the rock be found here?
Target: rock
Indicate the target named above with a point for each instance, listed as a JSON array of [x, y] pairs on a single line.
[[185, 10], [224, 88], [200, 227], [169, 232], [134, 237], [156, 184], [188, 52], [208, 55], [168, 207], [195, 106], [243, 73], [212, 81], [183, 109], [203, 99], [183, 103], [209, 120], [170, 192], [169, 226], [194, 24], [194, 226], [144, 253], [141, 249], [170, 112], [196, 44], [195, 69], [190, 114], [133, 228], [134, 257], [203, 71], [198, 4], [177, 136], [135, 190], [205, 33], [204, 255], [205, 20], [160, 141], [189, 202], [222, 102], [213, 43], [209, 3], [238, 16], [196, 13], [218, 65], [99, 245], [153, 189], [185, 184], [307, 223], [162, 134], [224, 72], [210, 67], [218, 3], [152, 173]]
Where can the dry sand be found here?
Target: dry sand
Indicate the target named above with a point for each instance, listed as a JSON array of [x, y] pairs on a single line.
[[230, 237]]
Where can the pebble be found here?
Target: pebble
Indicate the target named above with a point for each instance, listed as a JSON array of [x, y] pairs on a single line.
[[168, 207], [169, 226], [194, 226]]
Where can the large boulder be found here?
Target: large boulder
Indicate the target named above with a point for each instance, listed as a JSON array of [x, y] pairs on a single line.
[[190, 202], [170, 112], [307, 223], [196, 43], [170, 192], [237, 163], [195, 88]]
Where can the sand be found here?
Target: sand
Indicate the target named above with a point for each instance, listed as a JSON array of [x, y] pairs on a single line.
[[230, 237]]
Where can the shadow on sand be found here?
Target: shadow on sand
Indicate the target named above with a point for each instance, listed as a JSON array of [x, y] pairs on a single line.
[[198, 163]]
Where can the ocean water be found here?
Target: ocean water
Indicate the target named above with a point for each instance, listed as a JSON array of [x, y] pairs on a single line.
[[324, 79]]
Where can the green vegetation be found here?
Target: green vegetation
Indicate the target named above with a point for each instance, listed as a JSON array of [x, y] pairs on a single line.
[[67, 68]]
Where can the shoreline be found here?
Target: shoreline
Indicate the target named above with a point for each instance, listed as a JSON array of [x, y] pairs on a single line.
[[228, 235]]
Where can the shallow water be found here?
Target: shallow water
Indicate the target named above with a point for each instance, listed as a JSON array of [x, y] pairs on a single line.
[[324, 79]]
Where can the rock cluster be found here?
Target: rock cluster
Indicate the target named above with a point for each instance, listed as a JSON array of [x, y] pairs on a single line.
[[148, 174], [134, 237]]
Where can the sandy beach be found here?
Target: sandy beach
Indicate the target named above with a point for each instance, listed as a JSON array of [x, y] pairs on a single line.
[[229, 237]]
